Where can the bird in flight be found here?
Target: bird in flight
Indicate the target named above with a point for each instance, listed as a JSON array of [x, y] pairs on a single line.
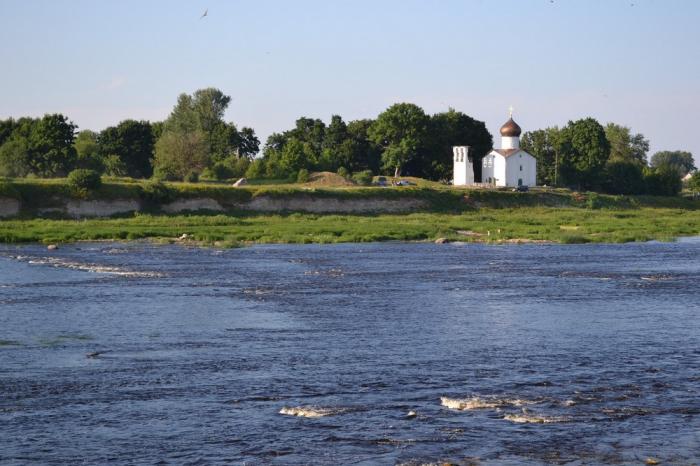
[[205, 13]]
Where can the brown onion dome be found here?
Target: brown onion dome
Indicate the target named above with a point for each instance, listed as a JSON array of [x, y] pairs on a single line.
[[510, 129]]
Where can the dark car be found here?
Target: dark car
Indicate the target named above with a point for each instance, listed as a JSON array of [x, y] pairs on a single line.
[[521, 189]]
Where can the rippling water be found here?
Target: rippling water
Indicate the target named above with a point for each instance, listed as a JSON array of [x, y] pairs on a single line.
[[362, 354]]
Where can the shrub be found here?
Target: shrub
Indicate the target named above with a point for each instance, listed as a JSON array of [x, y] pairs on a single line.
[[342, 171], [192, 176], [157, 192], [303, 176], [663, 181], [256, 169], [83, 180], [594, 201], [363, 178]]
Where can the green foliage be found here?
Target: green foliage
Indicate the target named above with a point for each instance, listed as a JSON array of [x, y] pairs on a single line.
[[88, 151], [192, 177], [623, 177], [177, 154], [626, 147], [196, 138], [157, 193], [39, 147], [363, 178], [399, 131], [583, 152], [84, 180], [303, 176], [342, 171], [544, 145], [114, 166], [133, 141], [663, 181], [448, 129], [694, 182], [678, 160]]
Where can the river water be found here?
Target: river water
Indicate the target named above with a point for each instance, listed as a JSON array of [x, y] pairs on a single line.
[[350, 354]]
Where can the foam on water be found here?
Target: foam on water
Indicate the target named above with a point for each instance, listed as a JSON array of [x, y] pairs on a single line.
[[86, 267], [465, 404], [310, 411], [531, 418]]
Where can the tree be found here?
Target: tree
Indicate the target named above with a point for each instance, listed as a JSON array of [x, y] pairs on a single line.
[[197, 129], [625, 146], [623, 177], [679, 160], [209, 106], [366, 155], [400, 131], [42, 147], [543, 144], [133, 142], [583, 152], [448, 129], [248, 143], [6, 129], [88, 151], [179, 154], [14, 158]]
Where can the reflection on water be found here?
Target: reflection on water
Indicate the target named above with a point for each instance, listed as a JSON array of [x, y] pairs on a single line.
[[371, 354]]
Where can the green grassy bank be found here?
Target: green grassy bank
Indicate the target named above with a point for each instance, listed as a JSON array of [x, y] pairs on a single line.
[[566, 225], [451, 213]]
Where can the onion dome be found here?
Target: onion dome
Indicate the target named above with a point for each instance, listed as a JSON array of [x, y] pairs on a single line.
[[510, 129]]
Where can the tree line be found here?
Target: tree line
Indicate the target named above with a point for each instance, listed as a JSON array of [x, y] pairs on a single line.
[[195, 141], [586, 155]]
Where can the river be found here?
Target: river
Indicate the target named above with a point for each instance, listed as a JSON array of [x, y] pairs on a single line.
[[394, 353]]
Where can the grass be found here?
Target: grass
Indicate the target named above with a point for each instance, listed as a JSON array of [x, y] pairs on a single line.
[[564, 225]]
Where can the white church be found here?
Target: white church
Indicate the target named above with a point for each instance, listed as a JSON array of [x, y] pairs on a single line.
[[507, 166]]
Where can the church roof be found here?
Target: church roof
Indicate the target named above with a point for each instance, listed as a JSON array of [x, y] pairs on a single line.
[[510, 129]]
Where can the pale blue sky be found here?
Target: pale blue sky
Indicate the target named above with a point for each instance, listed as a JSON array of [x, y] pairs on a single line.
[[103, 61]]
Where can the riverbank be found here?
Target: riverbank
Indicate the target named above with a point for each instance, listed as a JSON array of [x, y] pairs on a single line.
[[527, 224], [216, 214]]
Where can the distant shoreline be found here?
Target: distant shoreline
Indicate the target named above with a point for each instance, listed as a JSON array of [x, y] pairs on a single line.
[[46, 211]]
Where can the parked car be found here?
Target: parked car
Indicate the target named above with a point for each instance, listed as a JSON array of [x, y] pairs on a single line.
[[521, 189]]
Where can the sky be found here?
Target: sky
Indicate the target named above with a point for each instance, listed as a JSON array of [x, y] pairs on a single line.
[[632, 62]]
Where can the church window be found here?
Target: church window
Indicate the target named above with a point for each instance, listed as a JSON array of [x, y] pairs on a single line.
[[521, 168]]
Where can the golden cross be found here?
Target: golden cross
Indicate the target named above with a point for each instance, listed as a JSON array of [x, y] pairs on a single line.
[[511, 111]]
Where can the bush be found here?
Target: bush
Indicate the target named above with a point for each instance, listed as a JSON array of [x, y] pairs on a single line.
[[157, 192], [363, 178], [342, 171], [256, 169], [303, 176], [663, 181], [192, 176], [83, 180]]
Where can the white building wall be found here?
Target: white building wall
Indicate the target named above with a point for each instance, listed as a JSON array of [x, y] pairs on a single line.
[[499, 169], [463, 170], [528, 173]]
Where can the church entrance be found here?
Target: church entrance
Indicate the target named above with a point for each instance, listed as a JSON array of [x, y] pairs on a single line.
[[520, 181]]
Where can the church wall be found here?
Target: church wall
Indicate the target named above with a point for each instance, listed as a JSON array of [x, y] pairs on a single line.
[[527, 174]]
